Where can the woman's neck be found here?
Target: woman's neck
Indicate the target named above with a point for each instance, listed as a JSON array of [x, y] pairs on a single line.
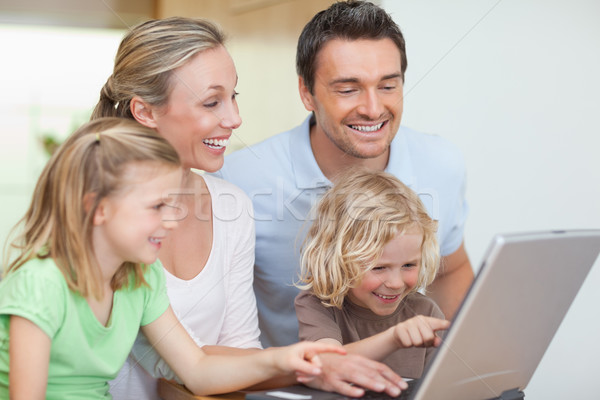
[[186, 250]]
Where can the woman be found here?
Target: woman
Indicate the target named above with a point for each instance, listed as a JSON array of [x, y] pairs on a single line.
[[175, 76]]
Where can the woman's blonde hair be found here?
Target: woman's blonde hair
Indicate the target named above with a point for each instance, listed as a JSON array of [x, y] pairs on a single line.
[[354, 220], [89, 166], [146, 59]]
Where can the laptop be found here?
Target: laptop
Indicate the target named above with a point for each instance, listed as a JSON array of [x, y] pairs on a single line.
[[514, 307]]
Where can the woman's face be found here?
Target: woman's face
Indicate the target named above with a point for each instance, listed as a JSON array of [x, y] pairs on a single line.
[[201, 112]]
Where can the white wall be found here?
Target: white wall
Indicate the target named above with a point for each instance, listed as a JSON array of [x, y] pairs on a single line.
[[516, 85]]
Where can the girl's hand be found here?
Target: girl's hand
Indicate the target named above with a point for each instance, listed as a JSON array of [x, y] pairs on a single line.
[[302, 358], [419, 331]]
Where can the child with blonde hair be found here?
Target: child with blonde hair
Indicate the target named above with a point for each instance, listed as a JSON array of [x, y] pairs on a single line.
[[370, 249], [85, 279]]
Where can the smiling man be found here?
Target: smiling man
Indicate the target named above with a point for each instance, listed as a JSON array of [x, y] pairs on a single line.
[[351, 62], [357, 100]]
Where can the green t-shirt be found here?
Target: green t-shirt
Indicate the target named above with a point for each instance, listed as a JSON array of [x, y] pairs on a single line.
[[84, 354]]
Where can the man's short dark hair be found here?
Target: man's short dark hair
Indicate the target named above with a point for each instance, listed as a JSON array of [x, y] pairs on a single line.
[[347, 20]]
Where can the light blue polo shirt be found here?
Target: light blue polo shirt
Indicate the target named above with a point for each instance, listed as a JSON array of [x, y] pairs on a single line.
[[284, 181]]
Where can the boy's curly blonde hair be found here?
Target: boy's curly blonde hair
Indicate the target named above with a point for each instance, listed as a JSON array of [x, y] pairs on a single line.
[[354, 220]]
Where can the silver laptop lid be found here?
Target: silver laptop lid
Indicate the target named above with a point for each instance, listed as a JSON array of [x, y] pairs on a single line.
[[521, 294]]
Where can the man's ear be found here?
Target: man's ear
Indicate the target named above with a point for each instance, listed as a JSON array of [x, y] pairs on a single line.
[[142, 112], [305, 95]]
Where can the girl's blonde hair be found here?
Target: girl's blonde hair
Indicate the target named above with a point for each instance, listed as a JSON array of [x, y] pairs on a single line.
[[146, 59], [354, 220], [86, 168]]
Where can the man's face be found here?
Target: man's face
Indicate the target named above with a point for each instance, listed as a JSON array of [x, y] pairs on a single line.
[[357, 96]]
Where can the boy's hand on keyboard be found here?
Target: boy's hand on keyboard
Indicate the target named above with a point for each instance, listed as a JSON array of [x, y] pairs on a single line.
[[351, 373], [419, 331]]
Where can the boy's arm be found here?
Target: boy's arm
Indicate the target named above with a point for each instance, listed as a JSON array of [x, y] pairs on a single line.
[[318, 322], [418, 331], [347, 374], [29, 355]]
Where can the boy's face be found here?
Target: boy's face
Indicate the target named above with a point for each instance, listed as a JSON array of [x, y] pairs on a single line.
[[394, 276]]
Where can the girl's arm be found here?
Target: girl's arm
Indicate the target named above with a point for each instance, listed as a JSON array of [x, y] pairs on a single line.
[[418, 331], [29, 354], [211, 374], [287, 379]]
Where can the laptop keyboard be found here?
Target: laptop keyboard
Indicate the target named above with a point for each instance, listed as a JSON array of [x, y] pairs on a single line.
[[370, 395]]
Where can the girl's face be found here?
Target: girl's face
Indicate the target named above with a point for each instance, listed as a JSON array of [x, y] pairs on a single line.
[[131, 224], [394, 276], [201, 112]]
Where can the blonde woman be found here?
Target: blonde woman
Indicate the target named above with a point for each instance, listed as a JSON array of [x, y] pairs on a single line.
[[84, 281], [370, 250]]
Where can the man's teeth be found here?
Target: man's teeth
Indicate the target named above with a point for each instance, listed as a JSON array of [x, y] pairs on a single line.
[[216, 143], [155, 240], [367, 128]]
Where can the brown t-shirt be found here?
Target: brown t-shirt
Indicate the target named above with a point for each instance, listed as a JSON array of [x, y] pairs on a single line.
[[353, 323]]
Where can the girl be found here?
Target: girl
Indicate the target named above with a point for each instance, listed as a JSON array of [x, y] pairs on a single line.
[[83, 283], [370, 249]]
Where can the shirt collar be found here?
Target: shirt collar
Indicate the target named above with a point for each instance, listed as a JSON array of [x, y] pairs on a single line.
[[309, 175], [306, 170], [400, 163]]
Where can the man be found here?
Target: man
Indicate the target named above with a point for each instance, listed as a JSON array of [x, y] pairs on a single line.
[[351, 61]]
